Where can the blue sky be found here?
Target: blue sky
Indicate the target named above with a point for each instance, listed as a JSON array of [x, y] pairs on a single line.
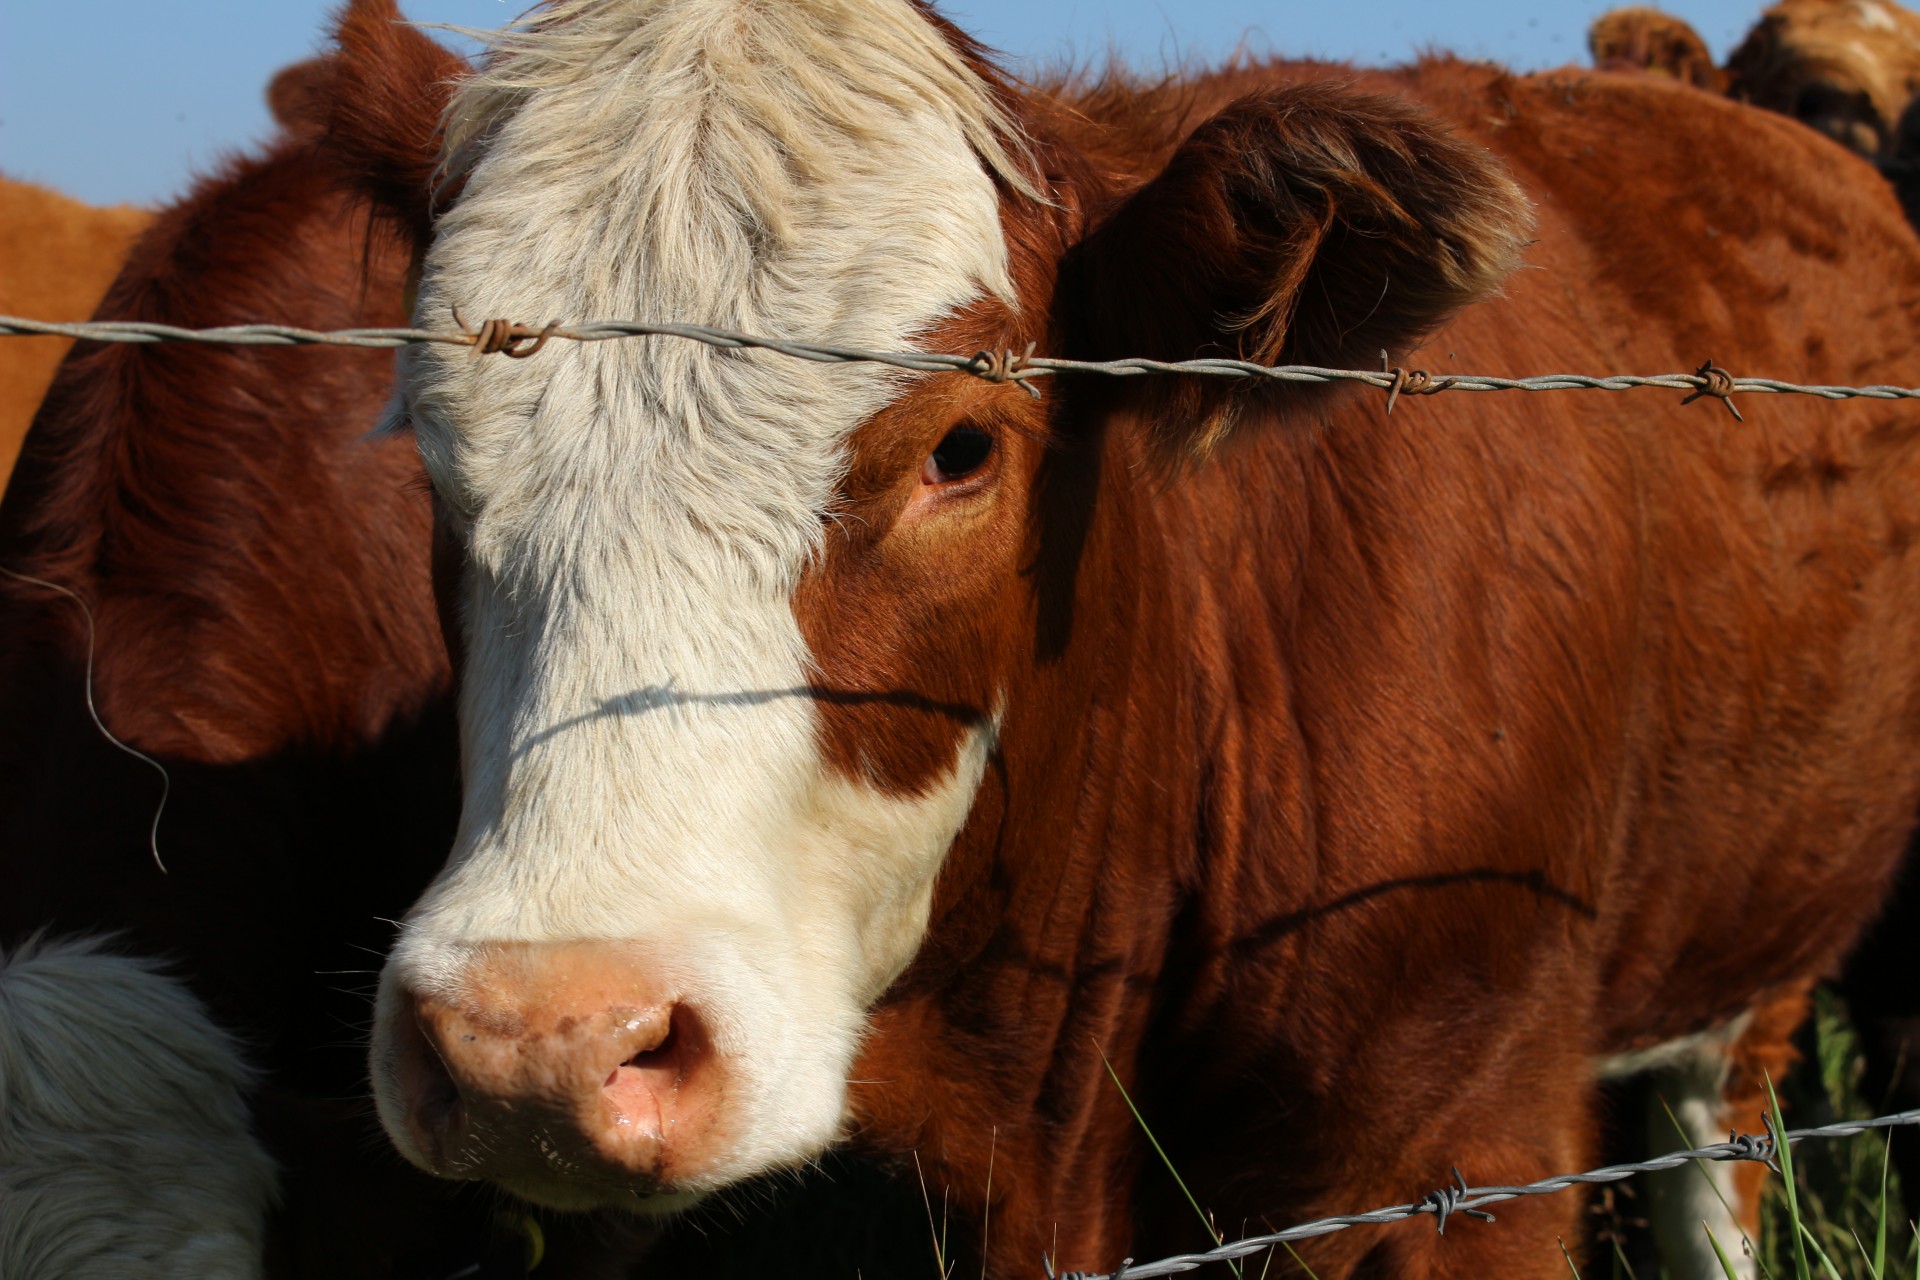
[[120, 100]]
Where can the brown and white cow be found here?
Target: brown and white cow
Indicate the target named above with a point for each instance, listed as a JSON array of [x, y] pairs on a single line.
[[858, 759], [1849, 68], [862, 759]]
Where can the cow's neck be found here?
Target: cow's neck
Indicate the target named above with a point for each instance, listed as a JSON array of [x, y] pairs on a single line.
[[1062, 898]]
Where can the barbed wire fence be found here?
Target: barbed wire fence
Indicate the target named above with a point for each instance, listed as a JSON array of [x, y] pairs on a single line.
[[521, 341], [1460, 1198], [1021, 368]]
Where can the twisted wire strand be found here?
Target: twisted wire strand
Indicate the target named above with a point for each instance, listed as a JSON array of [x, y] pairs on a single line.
[[986, 365], [1465, 1199]]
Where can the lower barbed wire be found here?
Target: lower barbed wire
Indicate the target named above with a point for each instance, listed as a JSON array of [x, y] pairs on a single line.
[[1462, 1199]]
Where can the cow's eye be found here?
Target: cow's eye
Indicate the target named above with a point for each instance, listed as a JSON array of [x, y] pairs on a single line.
[[960, 453]]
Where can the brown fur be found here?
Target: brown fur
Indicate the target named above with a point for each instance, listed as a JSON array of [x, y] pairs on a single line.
[[59, 256], [1351, 792]]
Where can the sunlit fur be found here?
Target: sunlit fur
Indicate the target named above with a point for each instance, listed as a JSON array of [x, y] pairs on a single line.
[[124, 1143], [639, 742]]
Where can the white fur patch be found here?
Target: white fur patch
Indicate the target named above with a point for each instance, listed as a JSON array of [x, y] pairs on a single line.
[[125, 1152], [639, 744], [1874, 16], [1689, 1076]]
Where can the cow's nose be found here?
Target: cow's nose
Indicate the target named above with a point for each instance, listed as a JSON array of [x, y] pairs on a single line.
[[545, 1080]]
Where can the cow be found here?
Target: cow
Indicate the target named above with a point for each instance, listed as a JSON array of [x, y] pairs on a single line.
[[915, 767], [61, 255], [166, 1097], [1849, 68], [207, 544]]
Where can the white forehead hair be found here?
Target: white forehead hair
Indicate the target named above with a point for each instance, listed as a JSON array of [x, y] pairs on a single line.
[[806, 168]]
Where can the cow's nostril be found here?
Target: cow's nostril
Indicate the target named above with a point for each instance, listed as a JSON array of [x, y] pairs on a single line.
[[435, 1108], [659, 1054]]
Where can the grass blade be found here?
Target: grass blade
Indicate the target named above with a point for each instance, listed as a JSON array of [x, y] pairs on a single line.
[[1879, 1267], [1826, 1263], [1726, 1263], [1783, 1152], [1158, 1150], [1706, 1175]]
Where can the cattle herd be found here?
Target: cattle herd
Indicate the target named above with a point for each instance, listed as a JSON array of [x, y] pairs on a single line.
[[774, 816]]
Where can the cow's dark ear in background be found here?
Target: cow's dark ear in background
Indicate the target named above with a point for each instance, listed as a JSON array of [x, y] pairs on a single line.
[[1310, 224], [389, 87]]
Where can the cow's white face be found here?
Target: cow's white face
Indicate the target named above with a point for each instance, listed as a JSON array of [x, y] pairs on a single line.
[[648, 961]]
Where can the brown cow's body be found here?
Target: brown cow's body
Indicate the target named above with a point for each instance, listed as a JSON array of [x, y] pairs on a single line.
[[1456, 686], [1359, 791], [60, 256]]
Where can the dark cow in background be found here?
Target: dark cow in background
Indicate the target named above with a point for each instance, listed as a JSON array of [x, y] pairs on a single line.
[[257, 567], [856, 761]]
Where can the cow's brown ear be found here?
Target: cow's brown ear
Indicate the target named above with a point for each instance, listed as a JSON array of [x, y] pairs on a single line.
[[1310, 224], [383, 102]]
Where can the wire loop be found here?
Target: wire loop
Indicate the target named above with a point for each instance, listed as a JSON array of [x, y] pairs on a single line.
[[1715, 381], [504, 337], [1005, 366]]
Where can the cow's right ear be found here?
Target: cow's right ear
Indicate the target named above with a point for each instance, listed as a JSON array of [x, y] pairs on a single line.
[[384, 101], [1311, 224]]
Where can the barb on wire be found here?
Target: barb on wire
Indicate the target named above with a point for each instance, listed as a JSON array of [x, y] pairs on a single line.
[[505, 337], [1416, 382], [1462, 1199], [1448, 1200], [1715, 381]]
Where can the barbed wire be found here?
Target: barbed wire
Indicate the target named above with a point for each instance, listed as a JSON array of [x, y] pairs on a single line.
[[1472, 1201], [520, 341]]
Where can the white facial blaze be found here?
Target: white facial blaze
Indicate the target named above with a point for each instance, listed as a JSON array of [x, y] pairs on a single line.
[[641, 754]]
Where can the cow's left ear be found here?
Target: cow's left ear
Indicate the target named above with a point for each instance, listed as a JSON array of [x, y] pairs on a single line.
[[1310, 224]]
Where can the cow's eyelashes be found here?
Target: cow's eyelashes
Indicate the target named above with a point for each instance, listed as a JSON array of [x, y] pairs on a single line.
[[960, 453]]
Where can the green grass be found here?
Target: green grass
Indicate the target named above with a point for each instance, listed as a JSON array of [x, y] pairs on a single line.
[[1844, 1203], [1835, 1210]]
